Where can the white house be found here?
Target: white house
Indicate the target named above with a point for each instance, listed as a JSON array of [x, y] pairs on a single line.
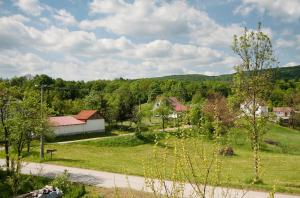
[[260, 110], [85, 121]]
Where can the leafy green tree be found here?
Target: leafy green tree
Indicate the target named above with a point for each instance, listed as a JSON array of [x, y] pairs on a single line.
[[163, 111], [25, 121], [137, 118], [253, 83], [5, 113]]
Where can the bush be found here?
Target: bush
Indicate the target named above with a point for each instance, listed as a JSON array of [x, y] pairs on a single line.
[[227, 151], [150, 137], [62, 182], [75, 191]]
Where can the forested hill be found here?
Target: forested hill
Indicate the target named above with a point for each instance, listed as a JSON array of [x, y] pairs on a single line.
[[290, 73]]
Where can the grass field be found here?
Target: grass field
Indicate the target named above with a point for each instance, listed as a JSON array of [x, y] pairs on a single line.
[[126, 155]]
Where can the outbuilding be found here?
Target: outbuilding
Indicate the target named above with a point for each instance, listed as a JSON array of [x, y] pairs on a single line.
[[86, 121]]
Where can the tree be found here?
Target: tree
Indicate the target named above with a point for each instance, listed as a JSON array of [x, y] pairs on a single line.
[[25, 121], [96, 100], [137, 118], [163, 111], [253, 82], [5, 98], [217, 108]]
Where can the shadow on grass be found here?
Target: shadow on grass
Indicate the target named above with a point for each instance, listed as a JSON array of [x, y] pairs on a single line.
[[57, 159], [80, 136]]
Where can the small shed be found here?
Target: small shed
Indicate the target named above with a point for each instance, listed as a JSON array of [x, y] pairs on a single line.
[[86, 121]]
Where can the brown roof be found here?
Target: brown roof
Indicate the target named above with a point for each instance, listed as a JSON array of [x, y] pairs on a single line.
[[85, 114], [283, 109]]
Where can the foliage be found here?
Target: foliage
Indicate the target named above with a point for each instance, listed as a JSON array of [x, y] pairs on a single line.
[[163, 111], [253, 82], [216, 107], [62, 181], [126, 140]]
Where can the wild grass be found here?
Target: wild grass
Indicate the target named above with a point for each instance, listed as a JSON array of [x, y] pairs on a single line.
[[127, 154]]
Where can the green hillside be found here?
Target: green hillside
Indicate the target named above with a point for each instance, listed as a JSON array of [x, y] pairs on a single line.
[[281, 73]]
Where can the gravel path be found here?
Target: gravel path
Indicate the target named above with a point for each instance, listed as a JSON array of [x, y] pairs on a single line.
[[111, 180]]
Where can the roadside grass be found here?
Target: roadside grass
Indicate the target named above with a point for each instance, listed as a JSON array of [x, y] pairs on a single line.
[[128, 154], [98, 192]]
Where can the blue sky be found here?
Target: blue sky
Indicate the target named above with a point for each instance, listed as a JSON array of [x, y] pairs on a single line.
[[107, 39]]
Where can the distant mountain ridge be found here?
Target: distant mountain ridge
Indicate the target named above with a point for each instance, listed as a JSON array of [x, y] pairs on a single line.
[[290, 73]]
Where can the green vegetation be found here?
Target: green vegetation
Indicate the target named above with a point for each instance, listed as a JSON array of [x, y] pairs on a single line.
[[283, 73], [127, 154]]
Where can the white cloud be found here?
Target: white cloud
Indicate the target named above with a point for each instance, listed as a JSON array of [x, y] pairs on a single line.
[[65, 17], [290, 64], [291, 42], [287, 10], [30, 7], [160, 21], [82, 55]]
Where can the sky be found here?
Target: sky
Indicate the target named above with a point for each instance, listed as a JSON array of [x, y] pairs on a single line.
[[108, 39]]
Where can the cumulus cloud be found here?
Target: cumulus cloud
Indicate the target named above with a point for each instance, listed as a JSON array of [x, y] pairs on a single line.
[[287, 10], [291, 42], [65, 17], [85, 56], [159, 20], [30, 7]]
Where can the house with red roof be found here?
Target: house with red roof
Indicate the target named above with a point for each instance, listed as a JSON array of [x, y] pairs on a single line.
[[85, 121], [283, 113], [176, 106]]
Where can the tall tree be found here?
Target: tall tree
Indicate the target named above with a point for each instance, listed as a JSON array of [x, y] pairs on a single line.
[[253, 83], [163, 111], [5, 99]]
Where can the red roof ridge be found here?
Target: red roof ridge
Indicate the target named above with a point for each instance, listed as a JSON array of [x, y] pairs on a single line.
[[85, 114]]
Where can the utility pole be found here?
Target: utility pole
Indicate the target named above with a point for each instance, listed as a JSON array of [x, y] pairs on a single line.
[[42, 153]]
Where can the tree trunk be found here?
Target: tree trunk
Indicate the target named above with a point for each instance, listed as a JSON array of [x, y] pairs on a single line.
[[6, 145], [42, 153], [163, 124], [28, 147]]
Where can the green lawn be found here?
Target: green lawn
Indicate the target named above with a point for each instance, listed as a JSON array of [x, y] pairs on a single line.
[[281, 162]]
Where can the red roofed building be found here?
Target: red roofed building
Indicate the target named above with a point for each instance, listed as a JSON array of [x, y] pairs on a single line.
[[176, 106], [283, 112], [84, 122]]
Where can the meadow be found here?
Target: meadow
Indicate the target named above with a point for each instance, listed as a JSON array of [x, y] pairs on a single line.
[[128, 154]]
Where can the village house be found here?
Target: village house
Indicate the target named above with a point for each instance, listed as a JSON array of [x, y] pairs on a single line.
[[176, 106], [86, 121], [283, 113], [261, 110]]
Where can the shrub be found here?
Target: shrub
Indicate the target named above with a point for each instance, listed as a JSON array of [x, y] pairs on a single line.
[[75, 191], [227, 151], [62, 182]]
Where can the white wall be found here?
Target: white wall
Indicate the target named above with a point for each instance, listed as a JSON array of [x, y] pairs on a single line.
[[90, 126], [70, 129], [95, 125]]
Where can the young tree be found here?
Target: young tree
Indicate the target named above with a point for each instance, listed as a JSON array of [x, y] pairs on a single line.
[[253, 82], [217, 108], [137, 118], [163, 111], [26, 121], [5, 98]]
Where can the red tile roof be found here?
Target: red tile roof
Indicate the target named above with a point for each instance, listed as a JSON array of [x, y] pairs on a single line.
[[177, 106], [64, 121], [283, 109], [85, 114]]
